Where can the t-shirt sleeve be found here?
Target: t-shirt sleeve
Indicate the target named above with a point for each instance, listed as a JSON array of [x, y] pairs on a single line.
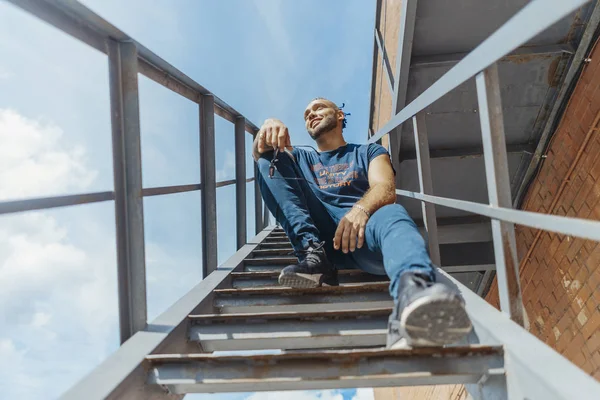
[[374, 150]]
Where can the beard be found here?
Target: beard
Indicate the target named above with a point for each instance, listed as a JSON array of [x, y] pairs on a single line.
[[327, 124]]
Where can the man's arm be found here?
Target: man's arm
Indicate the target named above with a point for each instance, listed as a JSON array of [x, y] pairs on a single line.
[[350, 233], [382, 185]]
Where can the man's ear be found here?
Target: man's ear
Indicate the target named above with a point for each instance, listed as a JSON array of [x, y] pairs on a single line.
[[340, 115]]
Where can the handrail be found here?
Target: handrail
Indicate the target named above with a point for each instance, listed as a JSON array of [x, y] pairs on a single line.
[[82, 23], [42, 203], [577, 227], [128, 58], [531, 20]]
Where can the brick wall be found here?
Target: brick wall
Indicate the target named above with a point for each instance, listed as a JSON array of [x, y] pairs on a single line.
[[560, 275]]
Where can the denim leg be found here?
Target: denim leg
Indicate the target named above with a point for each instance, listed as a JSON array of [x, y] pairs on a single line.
[[291, 200], [393, 246]]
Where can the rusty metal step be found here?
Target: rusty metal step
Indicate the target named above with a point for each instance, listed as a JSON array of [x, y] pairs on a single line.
[[269, 278], [208, 373], [285, 299], [290, 330]]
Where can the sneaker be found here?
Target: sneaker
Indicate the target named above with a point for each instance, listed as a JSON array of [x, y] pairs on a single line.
[[426, 314], [314, 271]]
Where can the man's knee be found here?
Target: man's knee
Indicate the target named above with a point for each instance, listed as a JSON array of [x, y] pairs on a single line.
[[391, 213]]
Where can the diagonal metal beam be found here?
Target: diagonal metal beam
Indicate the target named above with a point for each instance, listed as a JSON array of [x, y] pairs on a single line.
[[522, 53], [386, 61], [198, 373]]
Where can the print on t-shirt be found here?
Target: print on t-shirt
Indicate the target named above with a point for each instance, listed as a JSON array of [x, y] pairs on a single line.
[[334, 176]]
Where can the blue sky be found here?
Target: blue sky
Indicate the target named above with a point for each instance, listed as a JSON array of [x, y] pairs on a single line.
[[58, 306]]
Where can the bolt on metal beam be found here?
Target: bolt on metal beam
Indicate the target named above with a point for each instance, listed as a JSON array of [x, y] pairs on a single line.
[[498, 183], [209, 185], [127, 170]]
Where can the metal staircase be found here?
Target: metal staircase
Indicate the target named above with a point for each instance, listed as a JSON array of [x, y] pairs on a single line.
[[328, 337], [332, 337]]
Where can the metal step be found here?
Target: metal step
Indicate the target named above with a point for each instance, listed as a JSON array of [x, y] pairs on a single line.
[[282, 299], [272, 252], [276, 245], [269, 278], [206, 373], [271, 261], [290, 330], [277, 240]]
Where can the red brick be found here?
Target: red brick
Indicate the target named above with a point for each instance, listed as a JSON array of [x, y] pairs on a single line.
[[595, 358], [593, 261], [584, 190], [591, 326], [593, 342]]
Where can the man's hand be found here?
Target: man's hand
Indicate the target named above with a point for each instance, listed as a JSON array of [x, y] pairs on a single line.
[[350, 233], [273, 134]]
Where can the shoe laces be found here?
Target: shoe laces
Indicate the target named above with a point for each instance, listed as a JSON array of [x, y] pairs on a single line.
[[313, 252]]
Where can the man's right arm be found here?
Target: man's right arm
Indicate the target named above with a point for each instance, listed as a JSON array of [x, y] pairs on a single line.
[[273, 134]]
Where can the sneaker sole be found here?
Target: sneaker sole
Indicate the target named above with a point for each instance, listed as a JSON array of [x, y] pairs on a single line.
[[301, 281], [435, 321]]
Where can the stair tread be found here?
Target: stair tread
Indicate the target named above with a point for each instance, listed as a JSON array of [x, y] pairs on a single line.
[[342, 289], [291, 315], [436, 351], [267, 274]]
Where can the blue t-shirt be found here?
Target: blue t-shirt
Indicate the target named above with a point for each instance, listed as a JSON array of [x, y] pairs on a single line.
[[338, 177]]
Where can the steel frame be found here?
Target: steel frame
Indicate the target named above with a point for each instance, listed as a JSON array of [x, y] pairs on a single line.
[[536, 370], [127, 58], [127, 171], [481, 64]]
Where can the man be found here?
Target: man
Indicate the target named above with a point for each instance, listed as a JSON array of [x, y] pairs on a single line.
[[337, 206]]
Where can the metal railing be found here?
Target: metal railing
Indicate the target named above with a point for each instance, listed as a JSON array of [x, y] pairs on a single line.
[[480, 64], [128, 58]]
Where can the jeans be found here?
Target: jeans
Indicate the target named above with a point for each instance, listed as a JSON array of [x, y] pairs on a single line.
[[393, 244]]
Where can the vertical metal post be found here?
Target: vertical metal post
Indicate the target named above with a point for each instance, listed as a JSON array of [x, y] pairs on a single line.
[[498, 183], [426, 185], [266, 216], [406, 33], [209, 185], [127, 170], [240, 181], [258, 221]]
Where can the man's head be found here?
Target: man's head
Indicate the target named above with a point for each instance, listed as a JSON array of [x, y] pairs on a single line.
[[321, 116]]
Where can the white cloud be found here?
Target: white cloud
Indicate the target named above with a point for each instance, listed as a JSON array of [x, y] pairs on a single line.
[[273, 19], [227, 171], [35, 160], [5, 74], [57, 289]]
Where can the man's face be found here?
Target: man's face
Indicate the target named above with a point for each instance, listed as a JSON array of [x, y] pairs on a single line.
[[320, 116]]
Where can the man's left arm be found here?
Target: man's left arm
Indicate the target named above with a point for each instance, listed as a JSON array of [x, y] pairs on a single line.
[[350, 233]]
